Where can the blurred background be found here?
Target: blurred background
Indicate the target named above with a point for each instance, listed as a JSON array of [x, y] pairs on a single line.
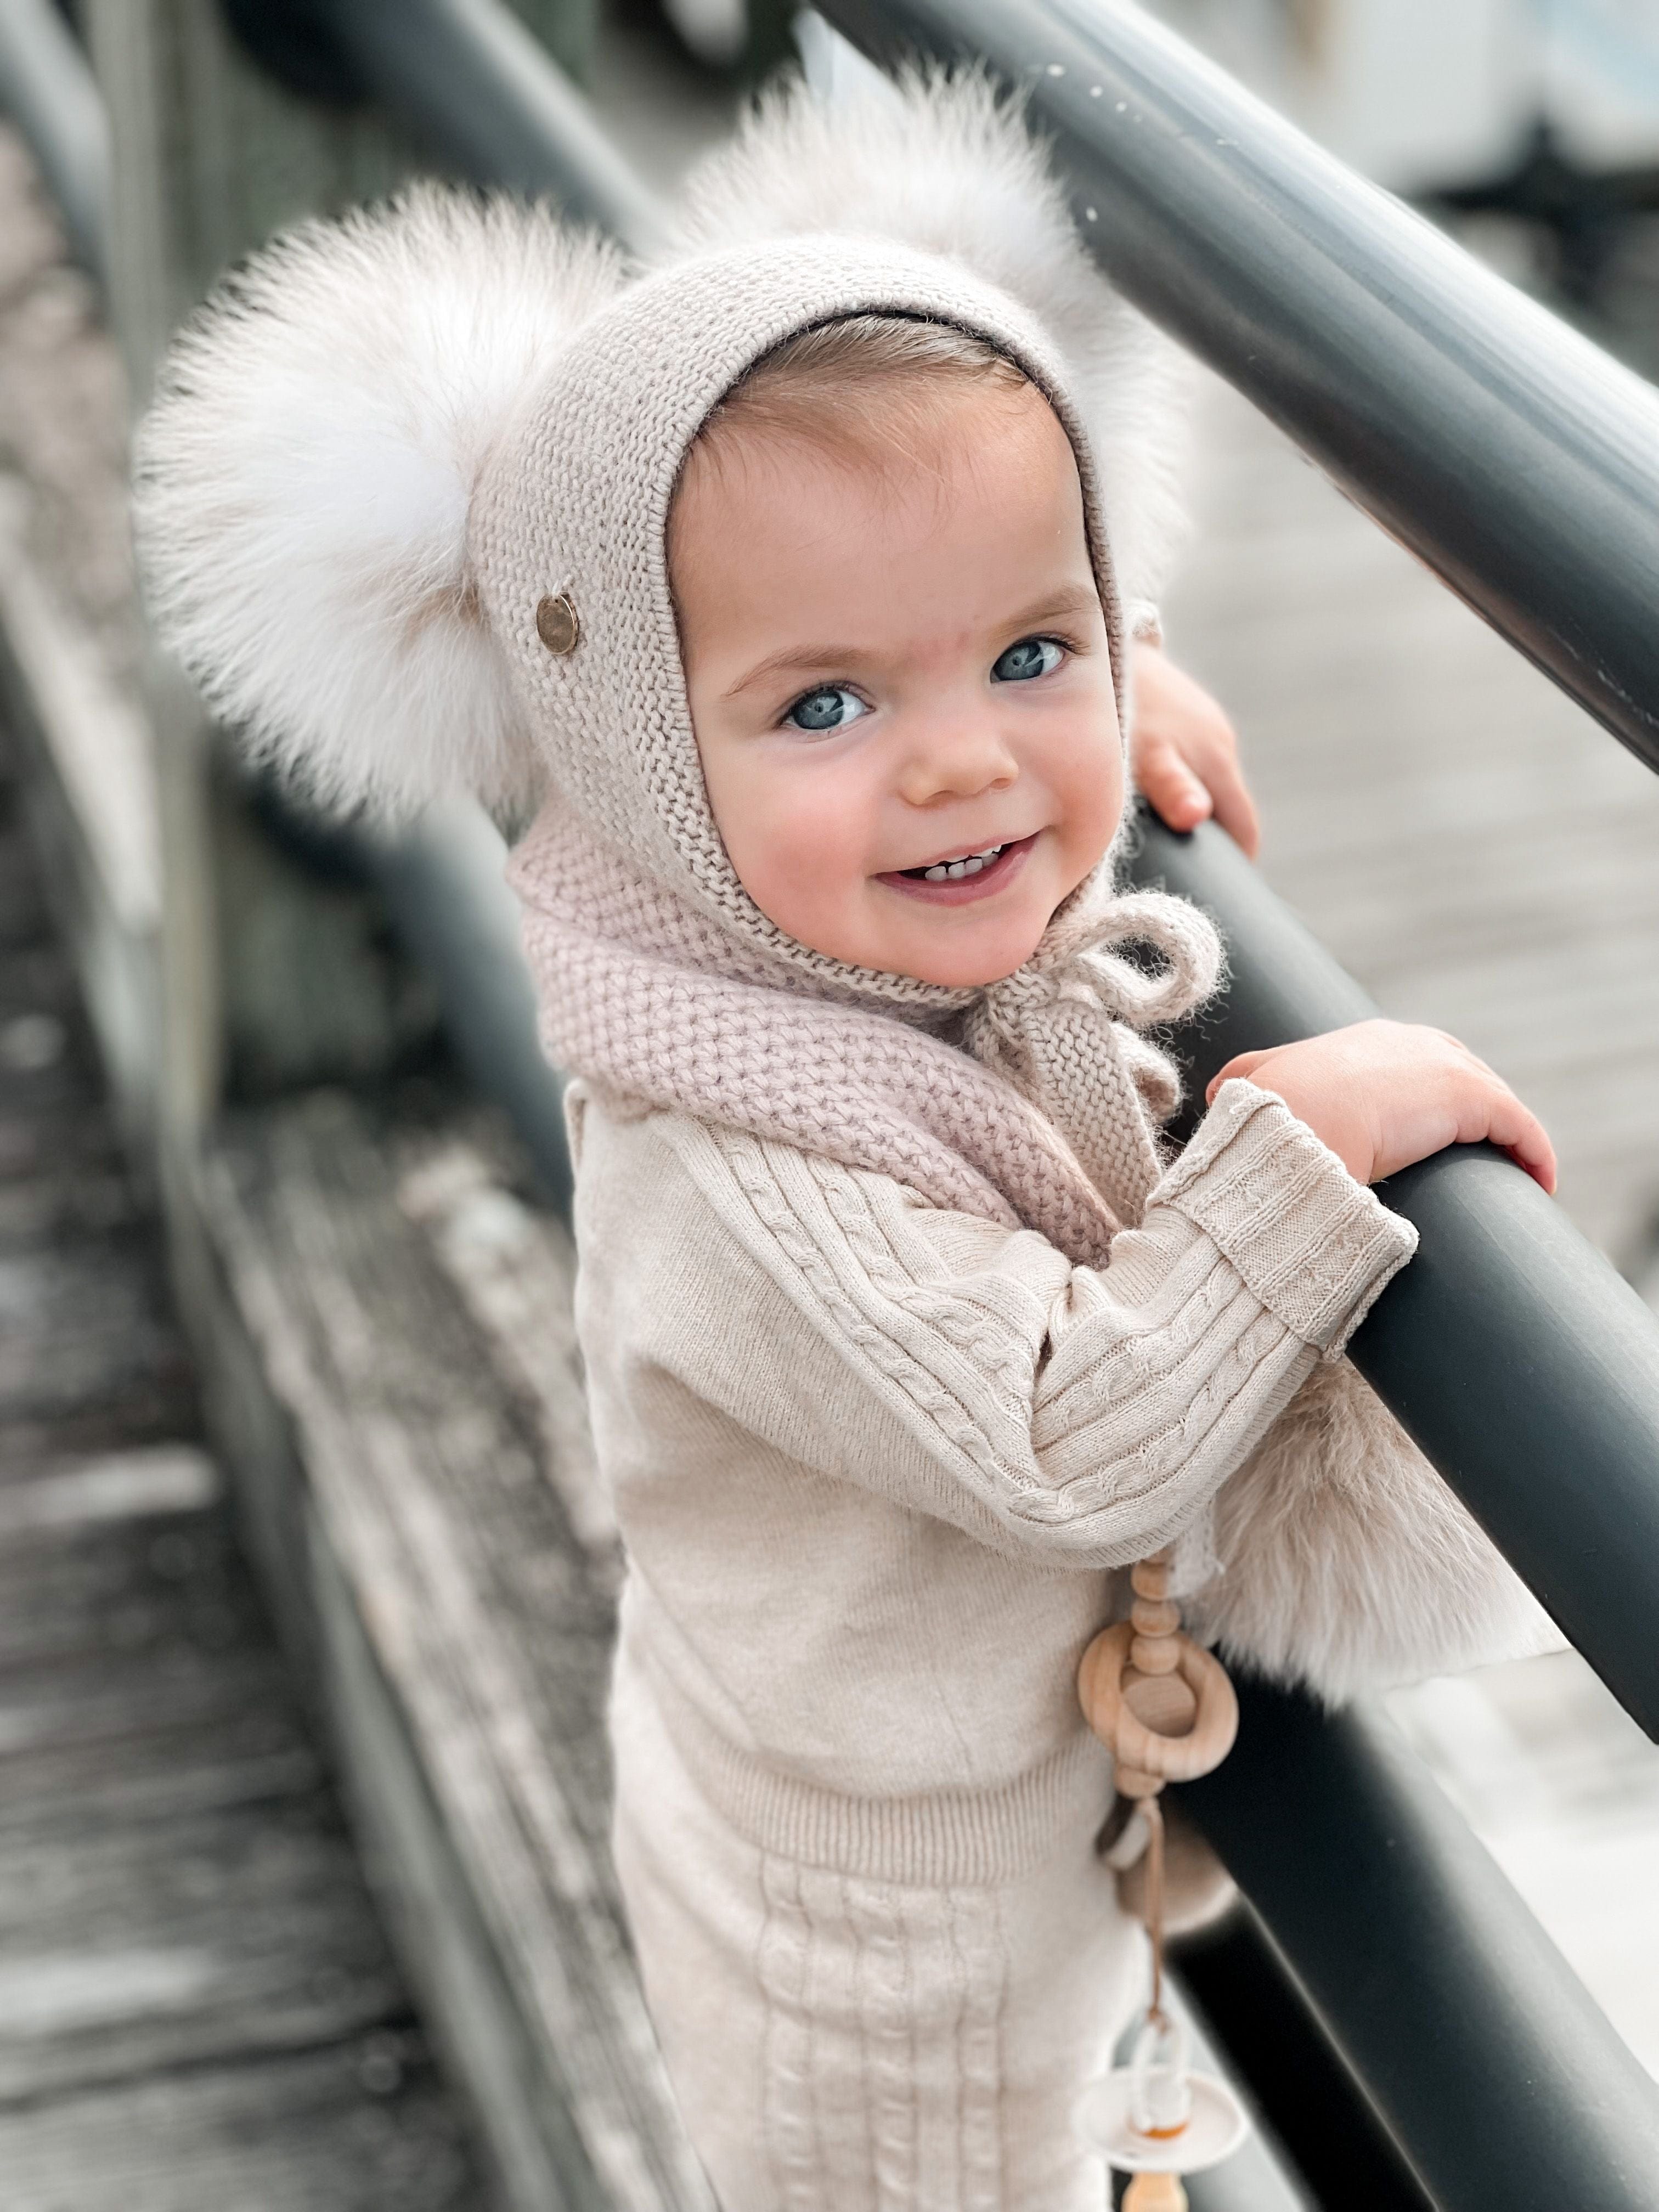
[[178, 1880]]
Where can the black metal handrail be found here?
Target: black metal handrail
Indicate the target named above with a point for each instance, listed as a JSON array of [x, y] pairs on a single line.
[[1483, 2054], [1522, 1364], [1515, 457], [48, 90], [1602, 2116]]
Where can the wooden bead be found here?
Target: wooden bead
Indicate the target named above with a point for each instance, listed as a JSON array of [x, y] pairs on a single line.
[[1149, 1578], [1154, 2192], [1155, 1655], [1156, 1616], [1101, 1691], [1165, 1703], [1130, 1782]]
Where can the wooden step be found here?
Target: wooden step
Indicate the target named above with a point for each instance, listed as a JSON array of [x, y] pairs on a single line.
[[409, 1433]]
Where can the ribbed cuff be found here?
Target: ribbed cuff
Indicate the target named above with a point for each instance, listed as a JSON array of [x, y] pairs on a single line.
[[1314, 1245], [944, 1838]]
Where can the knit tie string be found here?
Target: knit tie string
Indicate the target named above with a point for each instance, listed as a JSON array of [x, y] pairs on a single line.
[[1064, 1031]]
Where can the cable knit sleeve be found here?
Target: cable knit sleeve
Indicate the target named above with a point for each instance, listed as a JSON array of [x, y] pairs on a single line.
[[971, 1372]]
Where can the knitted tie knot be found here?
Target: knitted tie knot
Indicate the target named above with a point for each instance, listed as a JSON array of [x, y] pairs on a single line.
[[1072, 968]]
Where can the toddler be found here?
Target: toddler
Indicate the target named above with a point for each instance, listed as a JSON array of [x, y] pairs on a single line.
[[794, 582]]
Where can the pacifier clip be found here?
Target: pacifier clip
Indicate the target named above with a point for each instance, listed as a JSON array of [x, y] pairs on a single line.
[[1165, 1710]]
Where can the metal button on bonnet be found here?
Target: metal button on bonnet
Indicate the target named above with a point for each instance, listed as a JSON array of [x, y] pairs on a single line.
[[556, 624]]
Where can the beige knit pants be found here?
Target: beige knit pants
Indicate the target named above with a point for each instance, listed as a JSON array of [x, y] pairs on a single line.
[[841, 2044]]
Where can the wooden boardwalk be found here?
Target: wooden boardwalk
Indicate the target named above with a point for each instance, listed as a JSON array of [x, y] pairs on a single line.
[[197, 2007]]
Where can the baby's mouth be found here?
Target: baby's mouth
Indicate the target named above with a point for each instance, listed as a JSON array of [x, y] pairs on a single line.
[[964, 876]]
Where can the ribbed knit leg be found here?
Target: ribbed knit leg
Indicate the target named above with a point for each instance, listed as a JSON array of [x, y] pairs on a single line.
[[884, 2019], [840, 2044]]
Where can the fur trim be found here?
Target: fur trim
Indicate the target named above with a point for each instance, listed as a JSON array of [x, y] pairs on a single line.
[[1348, 1565], [947, 165], [304, 478]]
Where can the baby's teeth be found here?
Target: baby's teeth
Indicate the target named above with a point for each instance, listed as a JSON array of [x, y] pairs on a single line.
[[953, 871]]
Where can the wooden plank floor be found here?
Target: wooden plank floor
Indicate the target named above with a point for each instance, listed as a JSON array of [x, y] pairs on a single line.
[[197, 2013]]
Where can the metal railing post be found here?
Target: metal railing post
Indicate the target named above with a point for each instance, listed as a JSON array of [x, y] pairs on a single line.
[[47, 90], [1514, 456], [1524, 1367]]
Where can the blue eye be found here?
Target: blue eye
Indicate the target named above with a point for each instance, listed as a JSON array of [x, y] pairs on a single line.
[[832, 707], [1032, 656]]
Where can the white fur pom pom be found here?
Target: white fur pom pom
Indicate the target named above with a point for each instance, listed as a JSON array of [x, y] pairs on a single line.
[[1349, 1565], [303, 481], [948, 165]]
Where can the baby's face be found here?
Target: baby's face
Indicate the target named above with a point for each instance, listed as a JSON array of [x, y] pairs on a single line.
[[902, 689]]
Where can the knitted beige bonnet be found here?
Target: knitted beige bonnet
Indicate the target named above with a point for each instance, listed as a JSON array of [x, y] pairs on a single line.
[[392, 449], [383, 441], [575, 507]]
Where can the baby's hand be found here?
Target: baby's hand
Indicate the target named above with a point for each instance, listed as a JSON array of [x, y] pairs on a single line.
[[1383, 1094], [1184, 753]]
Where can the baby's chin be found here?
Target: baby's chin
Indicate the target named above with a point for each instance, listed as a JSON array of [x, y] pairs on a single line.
[[956, 959]]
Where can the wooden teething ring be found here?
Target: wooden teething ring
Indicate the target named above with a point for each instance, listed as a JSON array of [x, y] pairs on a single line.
[[1106, 1682], [1161, 1704]]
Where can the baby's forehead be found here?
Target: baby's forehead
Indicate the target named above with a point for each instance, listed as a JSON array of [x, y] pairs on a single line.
[[876, 544], [945, 441], [872, 410]]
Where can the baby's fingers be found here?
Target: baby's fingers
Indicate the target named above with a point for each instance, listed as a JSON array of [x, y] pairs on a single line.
[[1514, 1129], [1244, 1063], [1169, 785], [1230, 795]]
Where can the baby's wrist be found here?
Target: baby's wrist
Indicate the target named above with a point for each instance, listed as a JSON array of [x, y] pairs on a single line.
[[1338, 1129]]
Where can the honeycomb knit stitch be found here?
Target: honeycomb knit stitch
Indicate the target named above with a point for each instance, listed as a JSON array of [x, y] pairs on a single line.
[[643, 994]]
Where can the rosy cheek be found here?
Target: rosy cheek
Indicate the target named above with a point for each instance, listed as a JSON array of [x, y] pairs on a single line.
[[793, 861]]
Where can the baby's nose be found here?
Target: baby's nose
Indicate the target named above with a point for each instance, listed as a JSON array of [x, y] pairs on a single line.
[[961, 758]]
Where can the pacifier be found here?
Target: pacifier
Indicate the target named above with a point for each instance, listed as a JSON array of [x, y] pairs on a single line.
[[1154, 2117]]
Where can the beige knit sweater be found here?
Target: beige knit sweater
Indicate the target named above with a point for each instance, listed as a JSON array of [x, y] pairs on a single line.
[[873, 1460]]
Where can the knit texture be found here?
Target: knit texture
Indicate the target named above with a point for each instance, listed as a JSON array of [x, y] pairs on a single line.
[[577, 502], [644, 992], [842, 2042], [879, 1463], [875, 1458]]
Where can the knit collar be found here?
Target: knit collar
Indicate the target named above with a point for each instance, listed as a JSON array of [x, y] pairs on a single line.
[[1034, 1102]]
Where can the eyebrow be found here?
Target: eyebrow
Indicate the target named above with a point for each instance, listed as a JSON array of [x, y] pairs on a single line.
[[1073, 599], [799, 658], [804, 658]]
